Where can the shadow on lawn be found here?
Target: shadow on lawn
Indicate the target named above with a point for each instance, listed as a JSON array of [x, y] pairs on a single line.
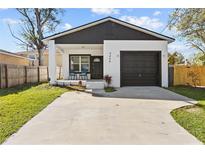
[[16, 89], [196, 93]]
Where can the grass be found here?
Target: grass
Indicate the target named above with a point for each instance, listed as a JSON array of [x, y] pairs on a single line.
[[19, 104], [191, 117], [109, 89]]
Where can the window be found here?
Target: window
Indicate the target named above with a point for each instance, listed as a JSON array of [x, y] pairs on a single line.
[[80, 63], [75, 61], [97, 60]]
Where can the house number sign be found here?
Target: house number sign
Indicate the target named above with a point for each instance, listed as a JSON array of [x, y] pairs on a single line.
[[109, 58]]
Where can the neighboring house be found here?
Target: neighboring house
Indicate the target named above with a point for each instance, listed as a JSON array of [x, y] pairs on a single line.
[[12, 58], [132, 55], [34, 54]]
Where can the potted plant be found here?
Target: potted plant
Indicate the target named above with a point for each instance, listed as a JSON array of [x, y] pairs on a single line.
[[108, 80]]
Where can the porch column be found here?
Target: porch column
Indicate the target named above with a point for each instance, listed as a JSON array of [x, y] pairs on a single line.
[[65, 58], [164, 64], [52, 61]]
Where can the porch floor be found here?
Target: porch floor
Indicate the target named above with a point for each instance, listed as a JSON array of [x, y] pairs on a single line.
[[89, 84]]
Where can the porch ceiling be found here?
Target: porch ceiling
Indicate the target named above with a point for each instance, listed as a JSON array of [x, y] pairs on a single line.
[[79, 46]]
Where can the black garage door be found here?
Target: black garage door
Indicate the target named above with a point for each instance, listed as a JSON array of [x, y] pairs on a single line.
[[140, 68]]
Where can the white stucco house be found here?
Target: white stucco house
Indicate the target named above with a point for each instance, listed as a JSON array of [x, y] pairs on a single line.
[[132, 55]]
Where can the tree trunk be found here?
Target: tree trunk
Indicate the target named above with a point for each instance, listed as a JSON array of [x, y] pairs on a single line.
[[40, 57], [40, 34]]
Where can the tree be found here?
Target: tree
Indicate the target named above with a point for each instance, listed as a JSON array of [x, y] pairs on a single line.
[[198, 59], [190, 25], [35, 23], [175, 58]]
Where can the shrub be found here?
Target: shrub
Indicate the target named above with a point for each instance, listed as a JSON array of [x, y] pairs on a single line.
[[109, 89], [194, 77]]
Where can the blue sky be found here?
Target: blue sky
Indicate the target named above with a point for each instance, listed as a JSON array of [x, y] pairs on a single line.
[[153, 19]]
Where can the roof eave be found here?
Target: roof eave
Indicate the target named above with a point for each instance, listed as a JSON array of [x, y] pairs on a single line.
[[170, 40], [12, 54]]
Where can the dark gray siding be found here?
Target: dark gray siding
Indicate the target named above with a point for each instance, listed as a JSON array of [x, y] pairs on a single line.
[[105, 31]]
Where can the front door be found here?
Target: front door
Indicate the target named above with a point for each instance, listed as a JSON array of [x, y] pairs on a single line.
[[96, 67]]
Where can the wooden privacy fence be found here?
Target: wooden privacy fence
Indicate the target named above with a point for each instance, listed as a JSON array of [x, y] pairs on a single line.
[[12, 75], [187, 75]]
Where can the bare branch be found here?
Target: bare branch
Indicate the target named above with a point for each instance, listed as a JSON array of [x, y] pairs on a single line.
[[24, 13], [14, 36], [171, 21], [48, 16], [35, 21], [196, 46]]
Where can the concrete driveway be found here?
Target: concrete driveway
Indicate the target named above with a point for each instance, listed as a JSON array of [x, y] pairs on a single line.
[[131, 115]]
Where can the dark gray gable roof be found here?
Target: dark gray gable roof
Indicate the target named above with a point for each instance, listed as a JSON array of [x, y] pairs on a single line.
[[71, 35]]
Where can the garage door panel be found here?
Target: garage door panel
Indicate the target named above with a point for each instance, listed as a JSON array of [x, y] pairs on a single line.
[[140, 68], [133, 80], [145, 75], [137, 69]]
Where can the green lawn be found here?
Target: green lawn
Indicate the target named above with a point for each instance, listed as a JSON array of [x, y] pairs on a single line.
[[19, 104], [191, 117]]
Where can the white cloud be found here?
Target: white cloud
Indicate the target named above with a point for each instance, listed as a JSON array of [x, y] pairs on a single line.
[[156, 13], [3, 8], [105, 11], [130, 10], [67, 26], [144, 21], [11, 21]]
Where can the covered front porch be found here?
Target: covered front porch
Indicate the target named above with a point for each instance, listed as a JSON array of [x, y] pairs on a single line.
[[80, 62]]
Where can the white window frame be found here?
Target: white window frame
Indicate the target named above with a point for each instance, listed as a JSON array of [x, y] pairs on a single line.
[[80, 63]]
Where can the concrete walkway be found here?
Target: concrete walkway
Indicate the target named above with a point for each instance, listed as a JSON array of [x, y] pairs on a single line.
[[132, 115]]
